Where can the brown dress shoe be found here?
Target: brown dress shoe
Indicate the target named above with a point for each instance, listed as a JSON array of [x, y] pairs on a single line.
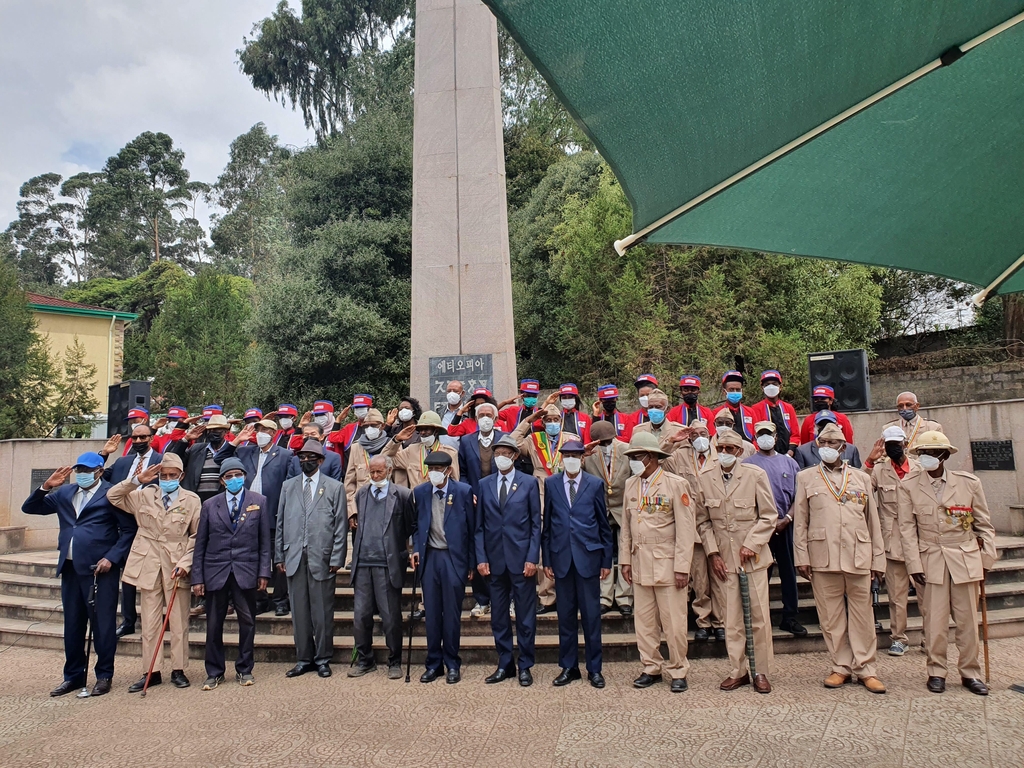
[[732, 683], [761, 684], [835, 680], [873, 684]]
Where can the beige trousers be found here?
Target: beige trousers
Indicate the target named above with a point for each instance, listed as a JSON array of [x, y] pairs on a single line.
[[735, 633], [153, 604], [897, 585], [848, 625], [962, 601], [708, 592], [656, 609], [615, 590]]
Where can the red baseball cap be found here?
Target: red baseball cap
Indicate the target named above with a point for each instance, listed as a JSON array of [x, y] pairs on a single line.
[[732, 376], [253, 413], [361, 401], [481, 392], [287, 409], [137, 413], [210, 410], [689, 380], [771, 374], [645, 380], [824, 391], [568, 389], [177, 412], [529, 385], [607, 392], [323, 406]]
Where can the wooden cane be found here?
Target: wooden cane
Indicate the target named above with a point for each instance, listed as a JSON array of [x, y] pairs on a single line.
[[984, 627], [160, 641]]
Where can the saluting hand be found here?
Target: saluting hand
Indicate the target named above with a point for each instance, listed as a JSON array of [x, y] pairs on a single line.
[[508, 402], [149, 474], [245, 435], [596, 408], [110, 446], [194, 433], [57, 479], [306, 418], [406, 433], [344, 413], [877, 451], [551, 398], [392, 415]]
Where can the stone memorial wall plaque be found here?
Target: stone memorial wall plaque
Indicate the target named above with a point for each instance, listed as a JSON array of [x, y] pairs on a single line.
[[992, 455]]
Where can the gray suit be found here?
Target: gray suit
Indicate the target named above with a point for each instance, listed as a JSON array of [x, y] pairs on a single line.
[[378, 588], [310, 542]]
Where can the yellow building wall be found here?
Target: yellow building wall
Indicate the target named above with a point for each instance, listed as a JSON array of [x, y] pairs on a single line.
[[102, 344]]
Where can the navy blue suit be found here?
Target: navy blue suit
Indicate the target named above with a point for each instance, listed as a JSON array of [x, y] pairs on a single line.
[[470, 473], [114, 474], [577, 544], [508, 537], [100, 531], [445, 571], [229, 560], [331, 466]]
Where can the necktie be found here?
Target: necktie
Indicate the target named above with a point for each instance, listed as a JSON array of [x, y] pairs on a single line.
[[572, 491], [503, 493], [234, 513], [138, 467], [307, 494], [440, 494], [377, 493], [167, 501]]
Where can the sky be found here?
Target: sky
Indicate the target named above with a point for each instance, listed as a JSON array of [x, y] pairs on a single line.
[[81, 78]]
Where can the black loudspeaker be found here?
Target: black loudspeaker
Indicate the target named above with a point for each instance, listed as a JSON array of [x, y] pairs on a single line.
[[847, 373], [122, 398]]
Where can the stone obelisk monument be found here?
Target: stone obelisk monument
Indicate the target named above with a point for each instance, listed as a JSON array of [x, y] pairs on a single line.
[[461, 278]]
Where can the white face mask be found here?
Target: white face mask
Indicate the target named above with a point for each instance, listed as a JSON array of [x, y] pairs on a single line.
[[321, 419], [379, 483], [572, 464], [436, 478], [726, 460], [637, 467], [454, 398], [643, 401], [928, 463], [772, 390], [405, 414], [372, 432], [766, 442], [828, 455], [360, 413], [286, 423], [701, 444], [568, 402], [263, 439], [503, 463], [486, 424], [606, 450]]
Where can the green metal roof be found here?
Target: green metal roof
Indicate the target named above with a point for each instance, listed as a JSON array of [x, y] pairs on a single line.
[[690, 101]]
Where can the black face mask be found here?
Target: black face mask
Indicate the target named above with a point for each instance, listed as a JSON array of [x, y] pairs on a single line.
[[215, 438], [894, 451], [690, 398], [819, 405], [609, 405], [140, 448], [309, 466]]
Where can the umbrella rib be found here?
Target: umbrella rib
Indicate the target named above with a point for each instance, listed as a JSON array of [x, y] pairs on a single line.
[[983, 295], [946, 58]]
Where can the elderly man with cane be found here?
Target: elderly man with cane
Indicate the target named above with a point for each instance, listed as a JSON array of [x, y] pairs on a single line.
[[160, 560], [93, 543]]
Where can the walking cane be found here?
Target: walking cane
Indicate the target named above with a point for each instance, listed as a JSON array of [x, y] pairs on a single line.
[[160, 640], [748, 626], [91, 612], [984, 627], [412, 622]]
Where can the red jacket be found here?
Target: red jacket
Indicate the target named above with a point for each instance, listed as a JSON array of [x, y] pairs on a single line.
[[332, 443], [677, 414], [747, 418], [465, 427], [807, 428], [508, 418], [761, 413], [623, 423], [583, 421]]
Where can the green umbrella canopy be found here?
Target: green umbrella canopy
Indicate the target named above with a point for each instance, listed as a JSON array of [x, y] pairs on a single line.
[[884, 132]]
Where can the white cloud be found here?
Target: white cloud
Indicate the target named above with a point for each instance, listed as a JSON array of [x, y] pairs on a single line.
[[81, 78]]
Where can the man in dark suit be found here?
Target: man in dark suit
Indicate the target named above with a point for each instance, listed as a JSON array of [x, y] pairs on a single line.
[[443, 543], [231, 560], [507, 551], [332, 461], [139, 458], [806, 454], [201, 451], [577, 544], [94, 535], [266, 468], [385, 519]]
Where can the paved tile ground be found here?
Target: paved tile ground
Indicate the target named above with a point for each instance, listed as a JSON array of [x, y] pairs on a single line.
[[378, 722]]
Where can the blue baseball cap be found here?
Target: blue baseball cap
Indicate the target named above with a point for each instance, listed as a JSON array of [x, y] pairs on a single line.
[[573, 446], [90, 460], [825, 416]]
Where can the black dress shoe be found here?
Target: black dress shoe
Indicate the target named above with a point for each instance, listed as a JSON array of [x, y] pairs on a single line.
[[566, 676], [679, 685], [102, 686], [701, 635], [500, 675], [418, 615], [646, 681], [281, 610], [68, 686], [525, 678], [453, 677], [324, 670], [974, 685], [125, 629], [178, 679], [138, 685], [430, 675], [794, 627], [626, 610], [605, 609], [596, 679], [720, 634], [546, 608], [936, 684], [298, 669]]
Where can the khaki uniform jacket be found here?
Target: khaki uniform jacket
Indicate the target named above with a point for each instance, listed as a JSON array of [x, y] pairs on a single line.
[[742, 516], [357, 473], [664, 433], [834, 536], [912, 429], [615, 484], [749, 449], [523, 435], [658, 530], [683, 462], [933, 533], [166, 537], [408, 463], [885, 481]]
